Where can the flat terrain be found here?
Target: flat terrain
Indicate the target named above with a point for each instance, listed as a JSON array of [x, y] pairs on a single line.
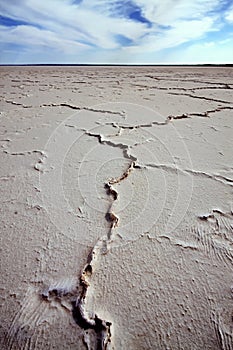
[[116, 208]]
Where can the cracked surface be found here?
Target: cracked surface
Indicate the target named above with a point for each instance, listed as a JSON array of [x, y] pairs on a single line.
[[116, 218]]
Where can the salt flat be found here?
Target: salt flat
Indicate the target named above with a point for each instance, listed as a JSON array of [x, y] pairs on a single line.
[[116, 208]]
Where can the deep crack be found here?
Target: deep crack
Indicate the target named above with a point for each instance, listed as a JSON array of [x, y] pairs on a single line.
[[86, 322], [101, 327]]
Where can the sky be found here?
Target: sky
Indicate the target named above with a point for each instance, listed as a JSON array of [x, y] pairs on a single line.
[[116, 31]]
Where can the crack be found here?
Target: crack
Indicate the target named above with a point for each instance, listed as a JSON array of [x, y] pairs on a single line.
[[5, 140], [216, 85], [220, 178], [205, 217], [63, 104], [42, 153], [38, 165], [221, 87], [122, 114], [223, 179], [90, 109], [171, 118], [17, 103], [102, 328], [123, 176], [199, 97], [124, 147], [152, 77], [68, 105], [149, 125], [210, 111], [173, 241], [111, 191], [186, 80]]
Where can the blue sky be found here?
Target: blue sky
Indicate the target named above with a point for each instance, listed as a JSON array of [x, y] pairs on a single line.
[[116, 31]]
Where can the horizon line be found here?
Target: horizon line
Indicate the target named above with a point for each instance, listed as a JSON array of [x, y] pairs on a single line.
[[123, 64]]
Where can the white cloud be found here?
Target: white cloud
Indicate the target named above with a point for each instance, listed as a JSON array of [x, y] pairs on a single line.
[[29, 35], [73, 27], [229, 15], [182, 32], [170, 12]]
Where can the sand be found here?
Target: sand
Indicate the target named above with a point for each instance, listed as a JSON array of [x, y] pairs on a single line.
[[116, 208]]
